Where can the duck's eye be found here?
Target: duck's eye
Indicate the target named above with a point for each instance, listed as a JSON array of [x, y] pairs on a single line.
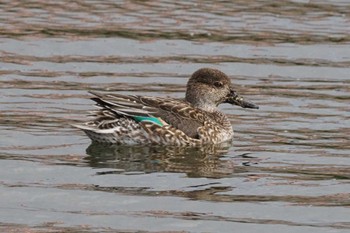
[[218, 84]]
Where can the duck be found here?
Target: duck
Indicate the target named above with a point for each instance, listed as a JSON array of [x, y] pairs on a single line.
[[192, 121]]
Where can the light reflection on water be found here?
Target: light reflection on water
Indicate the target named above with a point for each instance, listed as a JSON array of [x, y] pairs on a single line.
[[288, 167], [195, 162]]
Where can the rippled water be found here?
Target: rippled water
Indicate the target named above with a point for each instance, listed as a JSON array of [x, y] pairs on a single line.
[[287, 171]]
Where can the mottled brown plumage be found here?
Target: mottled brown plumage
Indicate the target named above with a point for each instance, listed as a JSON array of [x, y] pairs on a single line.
[[132, 119]]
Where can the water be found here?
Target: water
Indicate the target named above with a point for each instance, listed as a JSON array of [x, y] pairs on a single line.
[[287, 171]]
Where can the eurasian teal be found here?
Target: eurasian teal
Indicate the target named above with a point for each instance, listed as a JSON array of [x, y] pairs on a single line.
[[196, 120]]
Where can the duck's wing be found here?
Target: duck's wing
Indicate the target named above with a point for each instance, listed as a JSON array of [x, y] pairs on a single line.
[[161, 111]]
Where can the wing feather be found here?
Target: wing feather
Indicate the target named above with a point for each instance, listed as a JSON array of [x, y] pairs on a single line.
[[177, 113]]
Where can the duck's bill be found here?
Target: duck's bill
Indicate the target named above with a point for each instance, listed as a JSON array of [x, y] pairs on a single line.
[[240, 101]]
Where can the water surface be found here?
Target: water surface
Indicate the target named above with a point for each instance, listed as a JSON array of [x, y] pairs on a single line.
[[288, 169]]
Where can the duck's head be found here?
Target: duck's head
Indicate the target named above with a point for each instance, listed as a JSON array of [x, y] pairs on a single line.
[[207, 88]]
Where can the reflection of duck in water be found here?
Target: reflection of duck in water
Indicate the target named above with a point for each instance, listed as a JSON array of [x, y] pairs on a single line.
[[130, 119], [204, 161]]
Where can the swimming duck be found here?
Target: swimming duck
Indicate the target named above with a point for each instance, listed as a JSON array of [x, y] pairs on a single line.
[[195, 120]]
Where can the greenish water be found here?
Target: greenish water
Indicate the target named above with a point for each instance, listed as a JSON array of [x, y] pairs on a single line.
[[288, 169]]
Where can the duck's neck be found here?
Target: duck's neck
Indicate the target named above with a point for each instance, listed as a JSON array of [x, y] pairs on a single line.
[[217, 115], [199, 98], [205, 107], [222, 119]]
